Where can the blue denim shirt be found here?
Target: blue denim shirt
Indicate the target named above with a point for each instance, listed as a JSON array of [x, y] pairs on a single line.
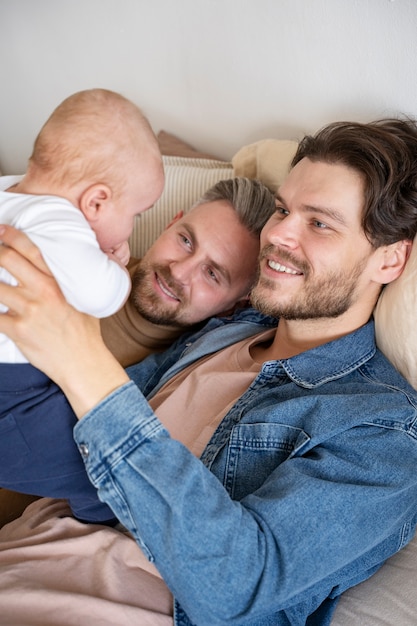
[[306, 487]]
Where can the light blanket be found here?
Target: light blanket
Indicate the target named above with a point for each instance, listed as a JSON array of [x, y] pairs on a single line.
[[56, 571]]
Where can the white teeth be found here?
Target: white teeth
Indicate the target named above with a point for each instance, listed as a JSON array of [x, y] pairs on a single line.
[[166, 291], [281, 268]]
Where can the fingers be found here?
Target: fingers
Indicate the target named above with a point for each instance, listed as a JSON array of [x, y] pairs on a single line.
[[18, 241], [121, 254], [9, 300]]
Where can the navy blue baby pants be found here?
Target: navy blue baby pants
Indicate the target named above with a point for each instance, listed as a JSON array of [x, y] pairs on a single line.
[[38, 454]]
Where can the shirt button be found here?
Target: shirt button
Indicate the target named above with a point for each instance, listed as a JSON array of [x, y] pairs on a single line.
[[84, 450]]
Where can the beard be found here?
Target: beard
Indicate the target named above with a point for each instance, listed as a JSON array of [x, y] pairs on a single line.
[[150, 305], [326, 297]]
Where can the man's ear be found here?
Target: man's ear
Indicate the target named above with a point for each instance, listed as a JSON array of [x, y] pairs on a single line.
[[94, 200], [394, 259]]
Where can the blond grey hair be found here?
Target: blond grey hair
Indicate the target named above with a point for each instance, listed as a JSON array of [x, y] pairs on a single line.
[[251, 199]]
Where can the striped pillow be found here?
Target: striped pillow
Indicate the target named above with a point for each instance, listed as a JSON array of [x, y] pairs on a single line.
[[186, 179]]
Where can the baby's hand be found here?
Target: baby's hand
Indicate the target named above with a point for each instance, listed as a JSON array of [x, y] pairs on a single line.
[[121, 253]]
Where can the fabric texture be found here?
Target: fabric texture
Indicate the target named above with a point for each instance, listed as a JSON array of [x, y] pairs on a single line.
[[268, 160], [37, 450], [386, 599], [56, 571]]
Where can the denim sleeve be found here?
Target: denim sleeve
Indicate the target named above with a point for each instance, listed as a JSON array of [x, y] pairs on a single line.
[[317, 521]]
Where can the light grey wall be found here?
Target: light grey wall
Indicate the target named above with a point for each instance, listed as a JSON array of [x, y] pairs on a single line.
[[219, 73]]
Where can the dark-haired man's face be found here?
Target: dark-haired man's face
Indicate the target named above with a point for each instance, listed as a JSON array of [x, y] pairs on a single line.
[[315, 260]]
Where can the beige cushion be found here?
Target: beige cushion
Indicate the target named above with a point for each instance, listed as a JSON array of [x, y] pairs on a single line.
[[268, 160], [395, 320], [388, 598], [186, 180]]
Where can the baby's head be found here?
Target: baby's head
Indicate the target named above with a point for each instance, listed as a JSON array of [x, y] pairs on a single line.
[[98, 150]]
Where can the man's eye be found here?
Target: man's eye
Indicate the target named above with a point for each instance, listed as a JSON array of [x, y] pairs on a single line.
[[185, 240], [212, 275], [281, 211], [319, 225]]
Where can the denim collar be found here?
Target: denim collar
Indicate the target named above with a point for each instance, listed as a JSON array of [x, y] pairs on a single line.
[[331, 360]]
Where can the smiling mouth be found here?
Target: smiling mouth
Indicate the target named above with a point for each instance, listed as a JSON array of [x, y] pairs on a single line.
[[166, 291], [283, 269]]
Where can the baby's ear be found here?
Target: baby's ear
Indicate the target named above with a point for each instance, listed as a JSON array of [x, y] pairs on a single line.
[[93, 200], [395, 257]]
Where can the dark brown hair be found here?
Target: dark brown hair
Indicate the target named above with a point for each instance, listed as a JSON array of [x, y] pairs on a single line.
[[384, 152]]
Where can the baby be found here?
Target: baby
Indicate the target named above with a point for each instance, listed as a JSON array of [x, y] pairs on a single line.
[[95, 165]]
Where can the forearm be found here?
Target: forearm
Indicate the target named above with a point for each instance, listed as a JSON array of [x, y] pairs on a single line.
[[89, 374]]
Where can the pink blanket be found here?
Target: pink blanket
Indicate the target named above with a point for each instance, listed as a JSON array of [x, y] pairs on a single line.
[[55, 571]]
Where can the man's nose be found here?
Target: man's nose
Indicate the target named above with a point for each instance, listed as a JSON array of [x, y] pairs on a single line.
[[183, 269], [286, 232]]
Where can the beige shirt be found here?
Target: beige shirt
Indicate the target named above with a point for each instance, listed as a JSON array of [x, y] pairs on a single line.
[[192, 404]]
